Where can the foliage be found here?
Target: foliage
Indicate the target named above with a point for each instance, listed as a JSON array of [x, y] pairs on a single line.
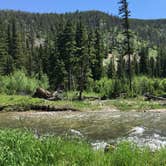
[[111, 88], [71, 55], [19, 83]]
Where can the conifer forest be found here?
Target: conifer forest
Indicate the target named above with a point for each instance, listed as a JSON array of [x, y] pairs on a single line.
[[83, 87]]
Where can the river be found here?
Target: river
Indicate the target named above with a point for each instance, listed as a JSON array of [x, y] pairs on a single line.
[[100, 127]]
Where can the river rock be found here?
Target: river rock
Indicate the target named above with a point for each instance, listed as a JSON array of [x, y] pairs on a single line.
[[109, 148]]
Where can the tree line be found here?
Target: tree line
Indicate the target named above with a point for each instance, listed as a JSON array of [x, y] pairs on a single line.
[[71, 48]]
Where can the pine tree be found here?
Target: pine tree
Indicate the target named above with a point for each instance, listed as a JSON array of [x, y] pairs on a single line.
[[121, 68], [97, 65], [125, 13], [91, 49], [9, 61], [3, 51], [111, 72], [82, 57], [45, 55], [144, 60], [38, 62], [29, 54], [16, 47], [57, 72], [67, 51]]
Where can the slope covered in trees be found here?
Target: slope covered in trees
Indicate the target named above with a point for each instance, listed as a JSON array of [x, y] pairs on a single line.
[[71, 48]]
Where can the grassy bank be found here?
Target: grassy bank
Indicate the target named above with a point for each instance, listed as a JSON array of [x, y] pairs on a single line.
[[22, 148], [137, 104], [22, 103], [17, 102]]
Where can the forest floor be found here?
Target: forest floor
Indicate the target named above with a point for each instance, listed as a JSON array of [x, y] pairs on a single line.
[[23, 103]]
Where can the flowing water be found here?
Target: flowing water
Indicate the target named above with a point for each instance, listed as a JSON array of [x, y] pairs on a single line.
[[143, 128]]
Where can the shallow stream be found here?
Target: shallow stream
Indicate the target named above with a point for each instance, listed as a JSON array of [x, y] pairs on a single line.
[[143, 128]]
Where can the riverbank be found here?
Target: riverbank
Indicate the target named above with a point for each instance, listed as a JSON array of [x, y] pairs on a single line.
[[23, 148], [26, 103]]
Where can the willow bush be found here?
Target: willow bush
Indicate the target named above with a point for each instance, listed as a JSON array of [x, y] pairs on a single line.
[[20, 83]]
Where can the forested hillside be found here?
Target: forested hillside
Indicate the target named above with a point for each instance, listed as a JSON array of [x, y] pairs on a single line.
[[79, 49]]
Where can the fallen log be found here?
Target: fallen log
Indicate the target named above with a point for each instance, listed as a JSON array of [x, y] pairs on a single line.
[[152, 97], [42, 93], [45, 94]]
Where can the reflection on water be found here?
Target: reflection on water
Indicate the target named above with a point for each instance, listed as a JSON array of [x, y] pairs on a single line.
[[144, 128]]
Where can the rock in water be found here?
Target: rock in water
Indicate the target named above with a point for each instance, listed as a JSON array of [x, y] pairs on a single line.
[[109, 148]]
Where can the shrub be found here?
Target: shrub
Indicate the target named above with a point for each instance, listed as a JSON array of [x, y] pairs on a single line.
[[111, 88], [19, 83]]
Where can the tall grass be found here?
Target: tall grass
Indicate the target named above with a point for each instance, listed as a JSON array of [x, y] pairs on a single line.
[[19, 148]]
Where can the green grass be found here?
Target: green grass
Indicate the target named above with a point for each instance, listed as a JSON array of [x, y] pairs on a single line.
[[15, 102], [18, 148], [138, 104]]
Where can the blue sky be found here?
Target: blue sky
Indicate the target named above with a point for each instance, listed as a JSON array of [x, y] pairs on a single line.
[[144, 9]]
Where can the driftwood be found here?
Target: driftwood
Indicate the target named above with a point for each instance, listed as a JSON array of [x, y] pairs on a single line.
[[152, 97], [42, 93]]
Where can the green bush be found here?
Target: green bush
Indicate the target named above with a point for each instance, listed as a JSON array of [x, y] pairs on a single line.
[[19, 83], [111, 88], [163, 84], [142, 85]]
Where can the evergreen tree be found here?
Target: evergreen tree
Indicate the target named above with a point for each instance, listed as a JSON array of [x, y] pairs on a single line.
[[57, 72], [125, 13], [3, 51], [29, 54], [16, 47], [111, 72], [91, 49], [45, 55], [38, 62], [82, 57], [67, 51], [121, 68], [97, 64], [144, 58]]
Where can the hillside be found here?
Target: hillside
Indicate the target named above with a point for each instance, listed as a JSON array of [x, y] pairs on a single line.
[[41, 24], [70, 48]]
